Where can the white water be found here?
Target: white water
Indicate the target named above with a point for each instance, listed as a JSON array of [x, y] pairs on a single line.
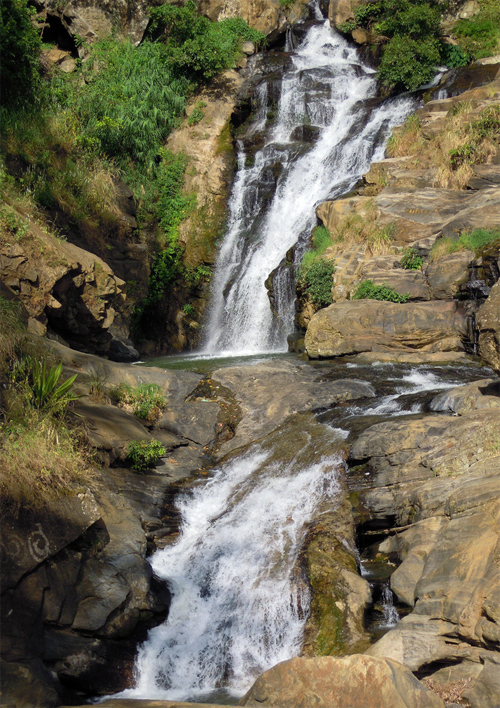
[[391, 617], [326, 87], [236, 609]]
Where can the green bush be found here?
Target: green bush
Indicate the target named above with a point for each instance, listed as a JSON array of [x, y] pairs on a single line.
[[194, 46], [315, 277], [147, 400], [410, 259], [367, 290], [144, 455], [197, 113], [321, 239], [478, 36], [453, 56], [21, 47], [408, 63]]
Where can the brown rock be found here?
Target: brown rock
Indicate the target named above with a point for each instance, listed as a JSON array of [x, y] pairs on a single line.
[[488, 325], [356, 680], [370, 325], [447, 274]]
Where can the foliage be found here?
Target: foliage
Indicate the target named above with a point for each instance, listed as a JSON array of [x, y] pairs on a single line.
[[189, 310], [315, 277], [41, 385], [286, 4], [21, 47], [194, 46], [408, 63], [13, 224], [414, 49], [411, 260], [197, 113], [479, 35], [453, 56], [321, 239], [112, 118], [367, 290], [485, 128], [147, 400], [475, 240], [144, 455]]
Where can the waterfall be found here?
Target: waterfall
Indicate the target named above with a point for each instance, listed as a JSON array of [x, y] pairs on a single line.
[[238, 607], [391, 617], [326, 94]]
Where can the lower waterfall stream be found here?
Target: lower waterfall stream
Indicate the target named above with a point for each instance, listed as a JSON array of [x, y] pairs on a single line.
[[239, 602]]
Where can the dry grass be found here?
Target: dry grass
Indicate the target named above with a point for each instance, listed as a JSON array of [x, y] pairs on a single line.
[[458, 134], [451, 692], [364, 229], [39, 462]]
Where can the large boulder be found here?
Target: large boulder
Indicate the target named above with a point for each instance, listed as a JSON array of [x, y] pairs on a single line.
[[328, 682], [370, 325]]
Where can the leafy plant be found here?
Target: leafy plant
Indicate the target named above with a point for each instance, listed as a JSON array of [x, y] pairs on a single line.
[[147, 400], [410, 259], [144, 455], [197, 113], [315, 277], [189, 310], [41, 383], [367, 290]]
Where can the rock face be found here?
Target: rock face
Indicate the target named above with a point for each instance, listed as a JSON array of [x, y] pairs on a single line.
[[340, 683], [94, 20], [370, 325], [488, 325], [439, 476], [267, 16], [71, 291]]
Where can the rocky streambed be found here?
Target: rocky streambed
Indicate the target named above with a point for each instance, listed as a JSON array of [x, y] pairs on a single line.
[[415, 457]]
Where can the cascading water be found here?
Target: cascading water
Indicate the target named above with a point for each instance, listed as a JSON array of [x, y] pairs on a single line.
[[237, 608], [325, 94]]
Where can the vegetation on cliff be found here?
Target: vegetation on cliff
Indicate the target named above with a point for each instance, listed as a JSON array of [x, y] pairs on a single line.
[[41, 455], [413, 46], [67, 138]]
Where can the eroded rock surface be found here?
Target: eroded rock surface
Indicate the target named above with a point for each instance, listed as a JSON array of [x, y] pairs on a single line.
[[356, 680], [370, 325]]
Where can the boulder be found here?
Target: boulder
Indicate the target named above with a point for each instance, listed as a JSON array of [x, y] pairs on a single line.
[[371, 325], [473, 396], [446, 275], [488, 326], [356, 680]]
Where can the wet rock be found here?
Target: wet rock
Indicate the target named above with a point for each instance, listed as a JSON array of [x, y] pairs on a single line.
[[356, 680], [463, 399], [270, 392], [370, 325]]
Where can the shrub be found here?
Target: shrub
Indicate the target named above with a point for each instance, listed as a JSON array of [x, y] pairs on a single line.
[[144, 455], [408, 63], [478, 36], [21, 47], [189, 310], [367, 290], [146, 400], [197, 113], [474, 240], [315, 276], [410, 259]]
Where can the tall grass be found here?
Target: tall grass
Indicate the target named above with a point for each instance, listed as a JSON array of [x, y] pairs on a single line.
[[475, 240]]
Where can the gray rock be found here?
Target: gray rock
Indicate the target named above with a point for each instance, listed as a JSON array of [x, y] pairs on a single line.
[[447, 274]]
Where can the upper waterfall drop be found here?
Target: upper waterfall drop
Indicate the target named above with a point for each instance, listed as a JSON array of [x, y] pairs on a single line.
[[325, 90]]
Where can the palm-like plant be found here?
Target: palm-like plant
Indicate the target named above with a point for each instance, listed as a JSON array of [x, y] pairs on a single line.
[[45, 393]]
